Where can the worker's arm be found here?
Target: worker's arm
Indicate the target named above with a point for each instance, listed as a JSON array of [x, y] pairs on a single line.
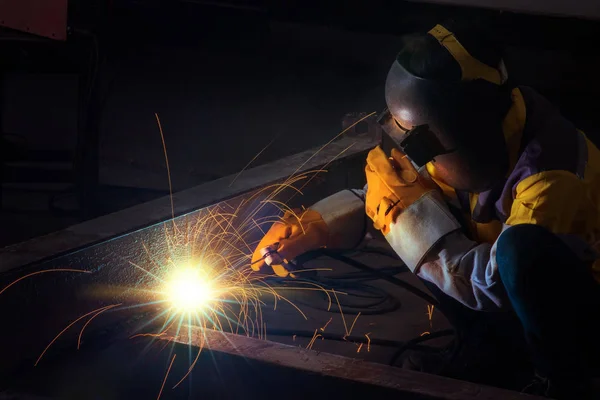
[[412, 215], [461, 268], [344, 214], [467, 271], [337, 221]]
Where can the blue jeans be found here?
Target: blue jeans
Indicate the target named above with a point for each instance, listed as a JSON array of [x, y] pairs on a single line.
[[553, 327], [555, 298]]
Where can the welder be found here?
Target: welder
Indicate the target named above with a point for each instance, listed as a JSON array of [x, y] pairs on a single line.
[[525, 182]]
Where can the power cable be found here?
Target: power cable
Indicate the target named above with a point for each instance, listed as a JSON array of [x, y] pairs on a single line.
[[356, 281]]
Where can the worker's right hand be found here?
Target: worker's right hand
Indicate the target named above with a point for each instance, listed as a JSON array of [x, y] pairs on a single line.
[[393, 184], [295, 234]]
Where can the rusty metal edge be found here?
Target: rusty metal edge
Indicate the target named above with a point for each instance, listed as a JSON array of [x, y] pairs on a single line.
[[336, 366], [138, 217]]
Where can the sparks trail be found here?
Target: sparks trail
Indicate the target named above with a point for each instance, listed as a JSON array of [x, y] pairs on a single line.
[[312, 341], [193, 364], [316, 335], [88, 322], [203, 278], [43, 272], [430, 308], [166, 376], [353, 323], [251, 161], [296, 177], [201, 275], [324, 327], [332, 140], [154, 335], [162, 137], [98, 310]]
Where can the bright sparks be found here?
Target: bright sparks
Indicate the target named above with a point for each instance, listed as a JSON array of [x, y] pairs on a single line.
[[191, 289], [198, 272]]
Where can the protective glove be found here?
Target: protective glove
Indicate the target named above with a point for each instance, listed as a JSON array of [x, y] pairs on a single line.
[[295, 234], [393, 184]]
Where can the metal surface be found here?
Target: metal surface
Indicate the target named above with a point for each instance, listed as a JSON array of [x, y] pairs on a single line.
[[128, 220], [41, 17], [406, 384], [38, 308]]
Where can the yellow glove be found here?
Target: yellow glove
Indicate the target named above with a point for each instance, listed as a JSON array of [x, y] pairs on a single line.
[[294, 235], [393, 184]]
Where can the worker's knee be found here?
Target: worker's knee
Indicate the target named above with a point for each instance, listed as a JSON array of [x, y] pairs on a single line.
[[522, 253]]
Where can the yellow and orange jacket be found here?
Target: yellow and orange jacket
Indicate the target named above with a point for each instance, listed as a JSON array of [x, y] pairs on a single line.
[[554, 178], [554, 181]]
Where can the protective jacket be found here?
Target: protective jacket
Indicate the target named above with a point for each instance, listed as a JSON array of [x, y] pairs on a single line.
[[553, 181]]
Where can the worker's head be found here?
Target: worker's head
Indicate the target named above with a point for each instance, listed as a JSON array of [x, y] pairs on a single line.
[[446, 98]]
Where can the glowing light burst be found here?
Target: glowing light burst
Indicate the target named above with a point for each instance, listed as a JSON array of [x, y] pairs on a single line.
[[201, 277], [198, 273], [191, 289]]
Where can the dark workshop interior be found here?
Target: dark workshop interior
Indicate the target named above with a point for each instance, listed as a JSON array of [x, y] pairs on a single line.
[[236, 85]]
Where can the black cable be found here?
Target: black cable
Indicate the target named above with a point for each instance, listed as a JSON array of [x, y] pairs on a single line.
[[411, 343], [380, 274], [363, 276], [371, 299], [336, 255], [374, 300], [381, 252], [378, 307]]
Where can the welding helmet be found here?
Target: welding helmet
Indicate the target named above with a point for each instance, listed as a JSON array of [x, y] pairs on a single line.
[[456, 124]]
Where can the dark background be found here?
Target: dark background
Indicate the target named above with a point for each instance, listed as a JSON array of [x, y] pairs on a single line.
[[226, 78]]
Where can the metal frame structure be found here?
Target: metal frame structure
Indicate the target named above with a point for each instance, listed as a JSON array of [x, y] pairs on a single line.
[[406, 384], [40, 307], [129, 220]]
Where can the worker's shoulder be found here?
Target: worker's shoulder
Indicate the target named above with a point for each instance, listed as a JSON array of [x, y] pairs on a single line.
[[550, 142]]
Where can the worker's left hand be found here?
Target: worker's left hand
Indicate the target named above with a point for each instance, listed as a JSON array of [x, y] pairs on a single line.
[[296, 233], [393, 184]]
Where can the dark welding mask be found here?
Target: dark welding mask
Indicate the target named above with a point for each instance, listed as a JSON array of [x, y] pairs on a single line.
[[456, 125], [420, 144]]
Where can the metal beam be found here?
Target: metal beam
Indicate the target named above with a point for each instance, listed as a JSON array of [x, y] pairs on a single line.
[[143, 215], [406, 382]]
